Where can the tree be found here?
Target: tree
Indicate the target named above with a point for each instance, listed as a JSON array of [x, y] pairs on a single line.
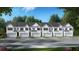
[[31, 19], [28, 20], [77, 22], [68, 19], [2, 23], [73, 10], [54, 19], [71, 15], [2, 27], [5, 10], [19, 19]]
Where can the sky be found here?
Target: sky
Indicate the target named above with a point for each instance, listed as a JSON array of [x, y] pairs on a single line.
[[41, 13]]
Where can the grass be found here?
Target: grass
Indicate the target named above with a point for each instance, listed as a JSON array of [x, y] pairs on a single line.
[[47, 49]]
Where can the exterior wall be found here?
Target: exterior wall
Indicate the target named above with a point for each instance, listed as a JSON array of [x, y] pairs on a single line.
[[36, 34], [12, 34], [23, 34], [46, 33], [58, 33], [40, 33], [68, 32], [9, 31]]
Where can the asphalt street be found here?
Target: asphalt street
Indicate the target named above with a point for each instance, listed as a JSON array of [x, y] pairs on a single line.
[[54, 42]]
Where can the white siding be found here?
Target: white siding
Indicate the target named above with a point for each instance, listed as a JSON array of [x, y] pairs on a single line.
[[58, 32], [12, 34], [35, 32], [64, 31], [23, 34], [68, 32], [46, 33]]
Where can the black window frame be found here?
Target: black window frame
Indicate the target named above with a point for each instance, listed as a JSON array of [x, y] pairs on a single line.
[[46, 29], [70, 29], [21, 29], [60, 29], [66, 29], [38, 28], [55, 29], [26, 28], [10, 28]]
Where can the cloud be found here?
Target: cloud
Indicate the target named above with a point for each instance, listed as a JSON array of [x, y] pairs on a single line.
[[28, 9]]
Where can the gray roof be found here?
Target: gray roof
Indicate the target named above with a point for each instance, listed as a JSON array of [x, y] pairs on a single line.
[[19, 24], [46, 23], [34, 23], [56, 24]]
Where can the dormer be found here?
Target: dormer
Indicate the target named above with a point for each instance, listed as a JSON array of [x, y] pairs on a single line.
[[9, 27], [46, 27], [68, 27], [36, 25]]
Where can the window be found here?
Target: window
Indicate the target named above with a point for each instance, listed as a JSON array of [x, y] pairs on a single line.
[[45, 28], [15, 29], [66, 29], [38, 28], [50, 29], [26, 28], [70, 29], [33, 28], [60, 28], [55, 29], [21, 29], [10, 28]]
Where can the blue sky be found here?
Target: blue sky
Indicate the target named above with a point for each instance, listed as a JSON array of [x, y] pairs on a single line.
[[41, 13]]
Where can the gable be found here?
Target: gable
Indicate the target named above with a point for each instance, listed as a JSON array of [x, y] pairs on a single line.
[[45, 25], [60, 26], [68, 25], [36, 25], [26, 26], [9, 25]]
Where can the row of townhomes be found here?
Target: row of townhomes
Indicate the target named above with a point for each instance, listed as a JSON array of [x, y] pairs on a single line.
[[38, 30]]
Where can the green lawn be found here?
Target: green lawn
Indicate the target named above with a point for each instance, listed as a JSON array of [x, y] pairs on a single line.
[[48, 49]]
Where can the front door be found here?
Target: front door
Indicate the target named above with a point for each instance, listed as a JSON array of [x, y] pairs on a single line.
[[17, 34]]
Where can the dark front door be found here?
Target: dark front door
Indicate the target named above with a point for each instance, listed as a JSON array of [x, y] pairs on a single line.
[[17, 34]]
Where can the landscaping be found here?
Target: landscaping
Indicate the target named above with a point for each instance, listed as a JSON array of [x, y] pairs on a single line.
[[47, 49]]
